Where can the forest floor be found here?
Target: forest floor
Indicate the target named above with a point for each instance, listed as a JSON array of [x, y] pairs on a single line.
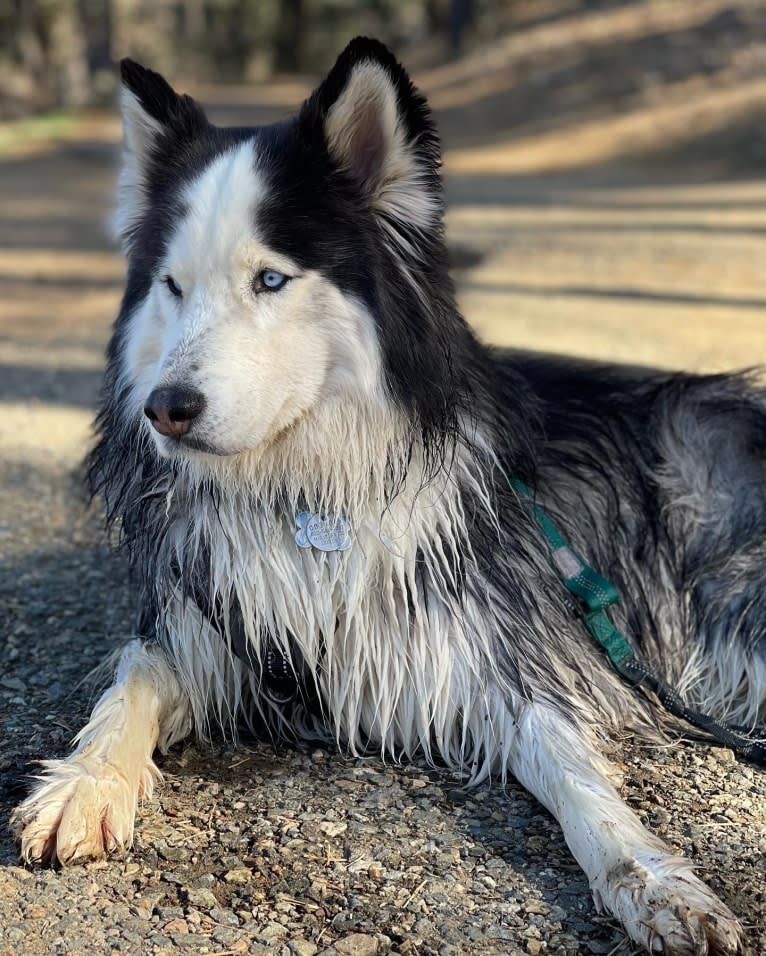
[[606, 199]]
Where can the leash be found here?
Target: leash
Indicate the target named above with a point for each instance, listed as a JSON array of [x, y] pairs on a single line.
[[595, 595]]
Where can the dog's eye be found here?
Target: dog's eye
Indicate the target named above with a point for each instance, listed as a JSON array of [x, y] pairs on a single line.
[[174, 287], [270, 281]]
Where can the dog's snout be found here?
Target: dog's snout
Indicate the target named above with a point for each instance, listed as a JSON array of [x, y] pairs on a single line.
[[172, 410]]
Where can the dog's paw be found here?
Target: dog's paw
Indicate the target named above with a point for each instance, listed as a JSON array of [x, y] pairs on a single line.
[[665, 908], [81, 809], [690, 924]]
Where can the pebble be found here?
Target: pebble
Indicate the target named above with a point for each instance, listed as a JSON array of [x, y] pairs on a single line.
[[333, 828], [271, 932], [357, 944], [203, 899], [302, 947]]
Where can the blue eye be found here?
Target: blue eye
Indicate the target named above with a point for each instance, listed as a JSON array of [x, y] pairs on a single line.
[[175, 289], [270, 281]]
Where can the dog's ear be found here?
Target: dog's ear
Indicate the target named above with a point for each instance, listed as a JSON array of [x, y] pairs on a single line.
[[154, 118], [379, 131]]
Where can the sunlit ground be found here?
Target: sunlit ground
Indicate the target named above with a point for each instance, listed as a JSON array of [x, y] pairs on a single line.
[[672, 276]]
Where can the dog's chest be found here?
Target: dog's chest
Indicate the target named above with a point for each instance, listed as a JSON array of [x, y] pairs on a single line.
[[287, 579], [363, 607]]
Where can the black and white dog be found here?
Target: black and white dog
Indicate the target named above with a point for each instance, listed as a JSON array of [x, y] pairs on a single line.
[[313, 464]]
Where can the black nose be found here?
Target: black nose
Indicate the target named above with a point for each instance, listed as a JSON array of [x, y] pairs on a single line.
[[172, 410]]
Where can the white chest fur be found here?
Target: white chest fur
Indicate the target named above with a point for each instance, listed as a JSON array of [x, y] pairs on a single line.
[[399, 651]]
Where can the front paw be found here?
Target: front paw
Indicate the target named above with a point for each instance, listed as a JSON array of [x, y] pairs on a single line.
[[81, 809], [665, 908]]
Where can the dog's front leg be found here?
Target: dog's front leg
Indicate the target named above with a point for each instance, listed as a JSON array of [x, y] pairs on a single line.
[[85, 806], [633, 875]]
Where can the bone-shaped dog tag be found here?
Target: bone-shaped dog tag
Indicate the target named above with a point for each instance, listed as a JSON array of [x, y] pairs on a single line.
[[325, 533]]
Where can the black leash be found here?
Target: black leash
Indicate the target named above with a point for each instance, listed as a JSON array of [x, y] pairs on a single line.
[[727, 735]]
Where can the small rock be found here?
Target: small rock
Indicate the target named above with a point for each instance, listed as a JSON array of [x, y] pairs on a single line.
[[203, 899], [333, 828], [13, 683], [534, 946], [226, 936], [204, 882], [357, 944], [301, 947], [239, 875], [231, 862], [225, 917], [185, 939], [272, 931], [536, 907], [174, 854]]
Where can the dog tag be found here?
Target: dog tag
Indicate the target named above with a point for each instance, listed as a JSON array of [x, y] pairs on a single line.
[[323, 533]]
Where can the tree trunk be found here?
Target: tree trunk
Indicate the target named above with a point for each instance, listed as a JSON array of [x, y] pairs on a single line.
[[288, 42]]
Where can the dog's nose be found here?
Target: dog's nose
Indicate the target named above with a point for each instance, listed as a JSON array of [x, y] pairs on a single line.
[[172, 410]]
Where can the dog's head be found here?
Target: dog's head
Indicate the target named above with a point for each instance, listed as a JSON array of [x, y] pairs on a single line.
[[273, 269]]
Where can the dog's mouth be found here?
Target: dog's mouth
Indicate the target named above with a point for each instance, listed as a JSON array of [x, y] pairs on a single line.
[[192, 444]]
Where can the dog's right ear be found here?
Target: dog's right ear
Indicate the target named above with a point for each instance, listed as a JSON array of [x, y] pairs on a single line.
[[154, 119], [379, 132]]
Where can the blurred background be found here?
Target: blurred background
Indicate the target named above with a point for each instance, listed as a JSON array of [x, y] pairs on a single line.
[[603, 163]]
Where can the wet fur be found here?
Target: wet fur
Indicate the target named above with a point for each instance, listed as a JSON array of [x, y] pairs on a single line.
[[444, 631]]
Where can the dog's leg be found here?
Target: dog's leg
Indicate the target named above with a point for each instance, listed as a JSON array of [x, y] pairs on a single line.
[[85, 806], [633, 875]]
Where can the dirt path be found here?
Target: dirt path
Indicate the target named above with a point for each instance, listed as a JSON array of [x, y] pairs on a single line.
[[606, 200]]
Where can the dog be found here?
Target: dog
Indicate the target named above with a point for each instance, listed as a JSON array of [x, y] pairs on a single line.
[[335, 499]]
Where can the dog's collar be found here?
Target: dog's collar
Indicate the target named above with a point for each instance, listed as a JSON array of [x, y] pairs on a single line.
[[279, 680]]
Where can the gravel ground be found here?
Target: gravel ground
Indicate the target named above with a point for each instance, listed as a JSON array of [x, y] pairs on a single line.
[[257, 850]]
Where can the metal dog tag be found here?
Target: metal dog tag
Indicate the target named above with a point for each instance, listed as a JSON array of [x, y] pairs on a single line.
[[323, 533]]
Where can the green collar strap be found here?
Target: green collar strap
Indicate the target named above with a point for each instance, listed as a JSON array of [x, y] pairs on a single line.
[[584, 582]]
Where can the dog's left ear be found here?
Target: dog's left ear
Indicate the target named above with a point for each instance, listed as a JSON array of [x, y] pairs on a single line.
[[158, 124], [379, 131]]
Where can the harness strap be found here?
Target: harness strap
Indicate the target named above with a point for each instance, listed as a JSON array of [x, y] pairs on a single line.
[[279, 681], [596, 595]]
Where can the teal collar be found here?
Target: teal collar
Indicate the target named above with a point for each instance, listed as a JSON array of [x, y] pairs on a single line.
[[584, 582]]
